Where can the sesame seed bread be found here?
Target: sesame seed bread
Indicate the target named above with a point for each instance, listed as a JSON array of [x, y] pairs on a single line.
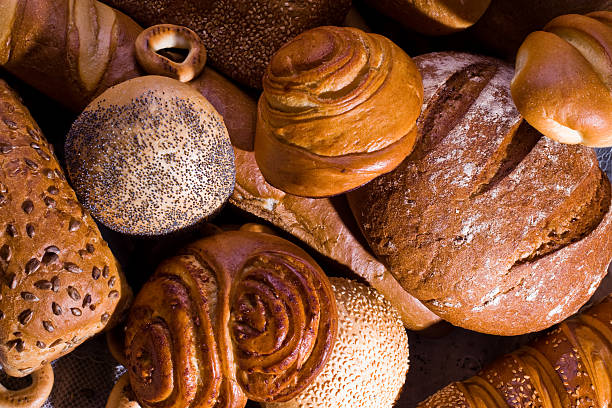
[[571, 366], [150, 156], [492, 226], [59, 281], [324, 122], [369, 362], [240, 36]]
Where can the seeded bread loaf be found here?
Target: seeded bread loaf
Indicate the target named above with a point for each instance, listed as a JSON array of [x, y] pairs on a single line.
[[494, 227], [59, 282], [571, 366]]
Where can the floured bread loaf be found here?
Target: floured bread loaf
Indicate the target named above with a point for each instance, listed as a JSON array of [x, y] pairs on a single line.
[[494, 227]]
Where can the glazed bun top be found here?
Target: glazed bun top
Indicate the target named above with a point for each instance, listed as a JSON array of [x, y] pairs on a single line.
[[338, 90], [150, 156]]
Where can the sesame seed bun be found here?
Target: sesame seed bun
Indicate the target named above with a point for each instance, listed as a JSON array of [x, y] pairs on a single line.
[[150, 156], [369, 362]]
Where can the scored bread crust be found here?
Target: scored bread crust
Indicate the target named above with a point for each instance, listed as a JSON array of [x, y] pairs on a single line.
[[59, 281], [495, 228]]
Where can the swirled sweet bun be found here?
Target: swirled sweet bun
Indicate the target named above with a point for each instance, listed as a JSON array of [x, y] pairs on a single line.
[[150, 156], [339, 108], [369, 362], [233, 316], [563, 80]]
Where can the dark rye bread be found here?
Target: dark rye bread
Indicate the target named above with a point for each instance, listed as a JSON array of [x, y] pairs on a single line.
[[494, 227]]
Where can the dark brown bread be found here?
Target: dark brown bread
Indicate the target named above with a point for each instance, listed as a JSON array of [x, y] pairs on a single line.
[[240, 36], [495, 228], [571, 366], [59, 281]]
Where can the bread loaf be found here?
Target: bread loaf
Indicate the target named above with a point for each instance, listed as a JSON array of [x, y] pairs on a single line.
[[84, 47], [493, 227], [326, 225], [435, 17], [563, 80], [571, 366], [150, 156], [338, 109], [60, 281], [235, 315], [240, 36]]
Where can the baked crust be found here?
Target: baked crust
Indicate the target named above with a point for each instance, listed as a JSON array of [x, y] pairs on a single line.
[[487, 222]]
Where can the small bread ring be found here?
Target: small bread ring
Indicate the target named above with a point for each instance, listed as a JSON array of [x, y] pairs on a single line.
[[162, 36], [33, 396], [122, 396]]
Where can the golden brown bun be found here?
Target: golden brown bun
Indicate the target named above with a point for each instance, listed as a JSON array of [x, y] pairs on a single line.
[[369, 362], [338, 109], [150, 156], [433, 17], [494, 227], [42, 63], [240, 36], [571, 366], [60, 281], [563, 80], [233, 316]]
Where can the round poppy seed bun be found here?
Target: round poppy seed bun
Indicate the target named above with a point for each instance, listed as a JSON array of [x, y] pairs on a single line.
[[150, 156], [369, 362]]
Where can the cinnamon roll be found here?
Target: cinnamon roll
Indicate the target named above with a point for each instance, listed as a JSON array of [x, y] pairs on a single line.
[[233, 316], [339, 108]]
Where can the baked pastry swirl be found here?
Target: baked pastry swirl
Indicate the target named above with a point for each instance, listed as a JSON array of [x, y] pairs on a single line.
[[563, 80], [339, 108], [234, 316], [569, 367]]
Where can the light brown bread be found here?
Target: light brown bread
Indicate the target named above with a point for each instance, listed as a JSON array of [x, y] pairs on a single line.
[[150, 156], [571, 366], [60, 283], [339, 108], [494, 227], [563, 80], [327, 226]]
